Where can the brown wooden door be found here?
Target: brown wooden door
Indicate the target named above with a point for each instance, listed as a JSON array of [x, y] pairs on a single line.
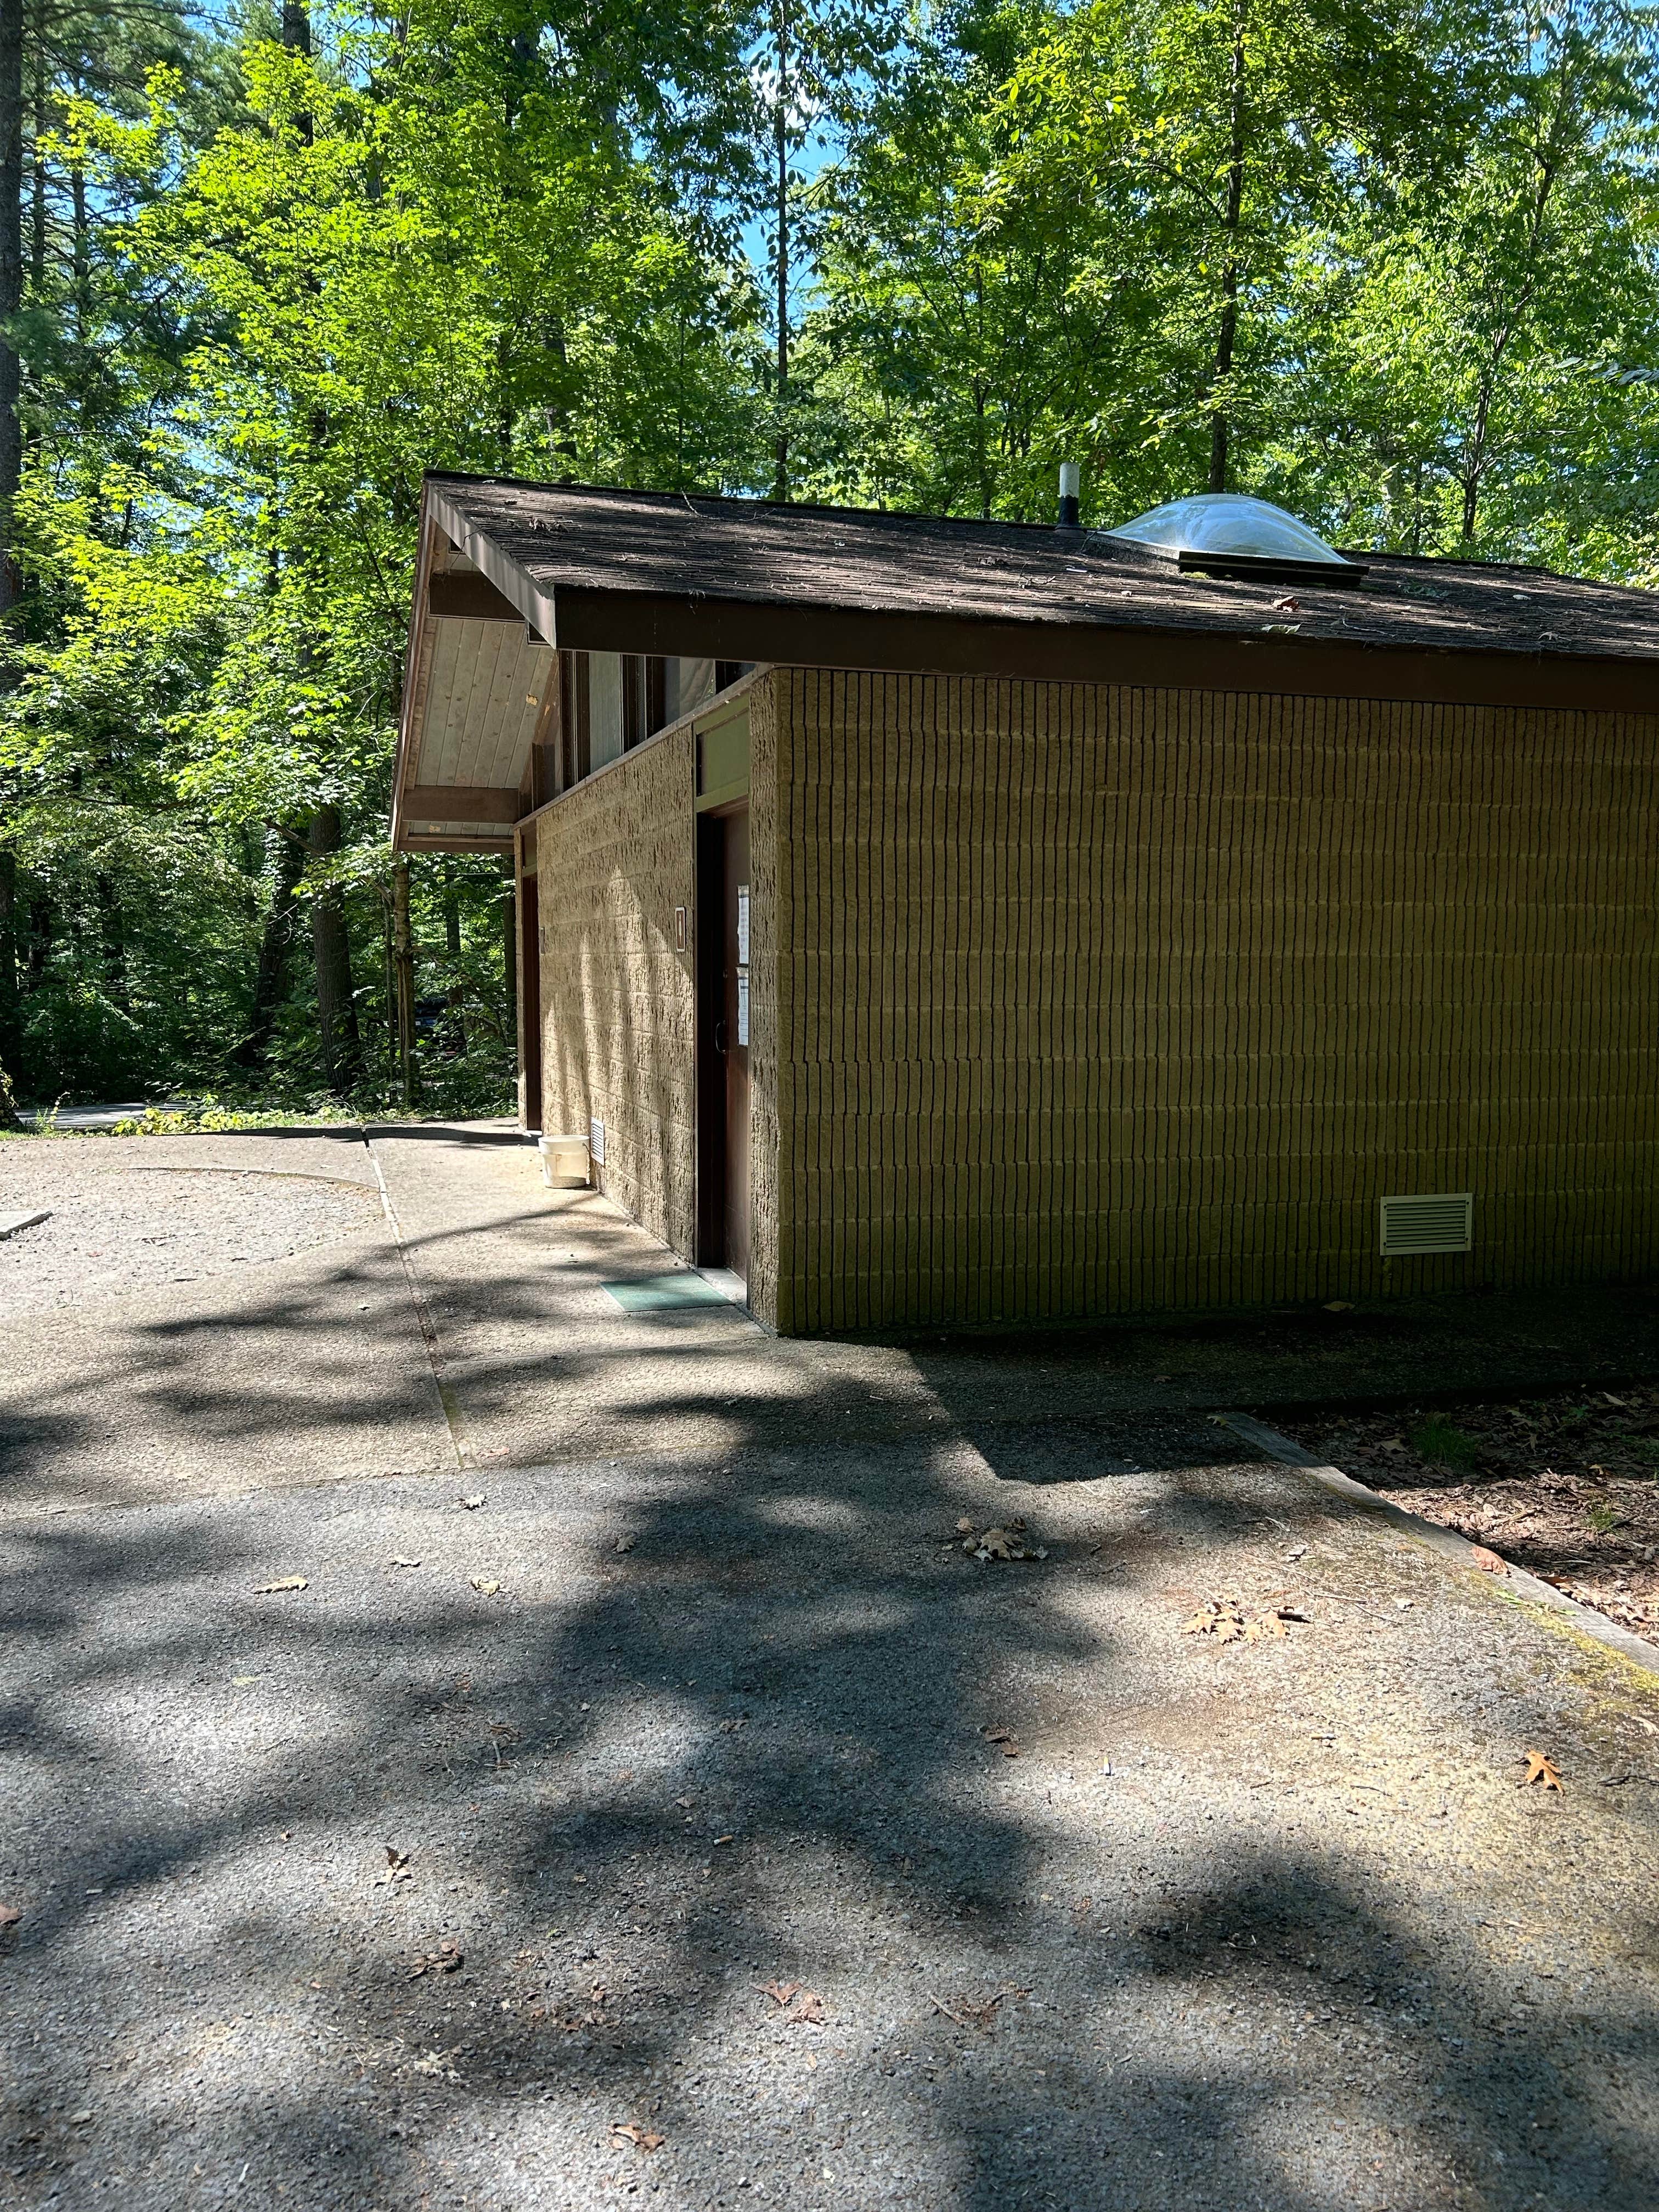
[[723, 1086], [734, 994]]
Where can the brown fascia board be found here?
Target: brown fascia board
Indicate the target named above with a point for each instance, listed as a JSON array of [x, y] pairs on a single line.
[[1178, 657], [461, 802], [1185, 660], [515, 584], [453, 841]]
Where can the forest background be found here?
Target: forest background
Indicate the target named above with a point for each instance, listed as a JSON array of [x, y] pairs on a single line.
[[1391, 263]]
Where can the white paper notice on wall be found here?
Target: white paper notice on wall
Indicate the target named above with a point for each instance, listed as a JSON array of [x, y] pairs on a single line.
[[742, 925], [743, 1006], [596, 1142]]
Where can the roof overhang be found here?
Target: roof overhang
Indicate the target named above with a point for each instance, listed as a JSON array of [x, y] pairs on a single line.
[[479, 685], [510, 573]]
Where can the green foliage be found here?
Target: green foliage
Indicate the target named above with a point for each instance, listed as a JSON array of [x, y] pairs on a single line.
[[1443, 1444], [1389, 262]]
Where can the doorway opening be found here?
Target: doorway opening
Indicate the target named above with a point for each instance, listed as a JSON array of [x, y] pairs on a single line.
[[722, 1050], [530, 1004]]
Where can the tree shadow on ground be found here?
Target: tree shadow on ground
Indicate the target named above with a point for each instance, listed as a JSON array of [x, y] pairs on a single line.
[[725, 1725]]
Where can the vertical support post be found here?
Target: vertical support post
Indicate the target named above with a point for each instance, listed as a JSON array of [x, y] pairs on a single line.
[[403, 964]]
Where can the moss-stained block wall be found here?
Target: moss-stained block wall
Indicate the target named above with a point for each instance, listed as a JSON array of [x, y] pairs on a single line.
[[1091, 999], [614, 859]]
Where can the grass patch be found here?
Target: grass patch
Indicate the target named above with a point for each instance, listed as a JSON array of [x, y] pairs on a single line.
[[1443, 1444]]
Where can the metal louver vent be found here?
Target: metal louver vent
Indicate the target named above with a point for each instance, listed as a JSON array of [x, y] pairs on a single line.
[[1437, 1221]]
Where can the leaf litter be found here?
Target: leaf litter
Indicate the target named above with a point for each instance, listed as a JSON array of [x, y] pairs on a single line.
[[448, 1958], [396, 1868], [797, 2006], [642, 2138], [1226, 1620], [1540, 1768], [1005, 1542]]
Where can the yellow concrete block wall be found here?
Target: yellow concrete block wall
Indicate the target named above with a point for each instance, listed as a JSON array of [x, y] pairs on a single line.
[[1092, 999], [614, 859]]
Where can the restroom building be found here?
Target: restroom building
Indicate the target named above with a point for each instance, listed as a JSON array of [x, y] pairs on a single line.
[[940, 921]]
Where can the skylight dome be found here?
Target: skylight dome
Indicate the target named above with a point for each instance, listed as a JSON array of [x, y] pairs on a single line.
[[1227, 533]]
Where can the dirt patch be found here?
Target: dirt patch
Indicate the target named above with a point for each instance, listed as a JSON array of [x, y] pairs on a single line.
[[1567, 1485]]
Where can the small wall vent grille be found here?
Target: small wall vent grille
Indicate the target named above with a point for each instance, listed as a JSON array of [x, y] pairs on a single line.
[[1437, 1221]]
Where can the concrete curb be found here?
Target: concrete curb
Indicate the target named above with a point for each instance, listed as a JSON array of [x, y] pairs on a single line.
[[12, 1223], [1450, 1546]]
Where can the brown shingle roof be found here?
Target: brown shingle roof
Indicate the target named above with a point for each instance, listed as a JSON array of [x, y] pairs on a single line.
[[573, 539]]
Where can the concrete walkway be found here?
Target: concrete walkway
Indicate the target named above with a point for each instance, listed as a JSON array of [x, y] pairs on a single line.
[[728, 1800]]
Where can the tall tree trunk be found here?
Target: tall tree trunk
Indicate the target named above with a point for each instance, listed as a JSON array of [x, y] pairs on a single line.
[[336, 1010], [11, 1028], [113, 934], [1227, 335], [403, 964], [43, 927], [781, 137], [456, 1024], [11, 287], [39, 93], [285, 858]]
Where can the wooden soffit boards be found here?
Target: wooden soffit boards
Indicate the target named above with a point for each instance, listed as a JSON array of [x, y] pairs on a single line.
[[462, 803], [462, 757]]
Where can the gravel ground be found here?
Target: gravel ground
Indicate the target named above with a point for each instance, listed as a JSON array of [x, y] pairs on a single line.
[[118, 1225], [302, 1360], [715, 1792], [1268, 1924]]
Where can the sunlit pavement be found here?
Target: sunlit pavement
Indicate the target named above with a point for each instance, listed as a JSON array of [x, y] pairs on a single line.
[[767, 1824]]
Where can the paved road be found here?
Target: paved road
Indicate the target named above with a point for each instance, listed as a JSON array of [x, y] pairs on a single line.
[[1268, 1924]]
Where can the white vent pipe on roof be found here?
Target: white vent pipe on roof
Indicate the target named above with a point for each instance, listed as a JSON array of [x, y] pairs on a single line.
[[1071, 493]]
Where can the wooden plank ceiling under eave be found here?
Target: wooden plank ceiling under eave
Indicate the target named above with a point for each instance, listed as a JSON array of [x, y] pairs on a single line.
[[481, 686]]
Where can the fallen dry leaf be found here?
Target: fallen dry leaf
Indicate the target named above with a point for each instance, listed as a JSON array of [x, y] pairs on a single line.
[[484, 1587], [808, 2010], [641, 2138], [1006, 1542], [1226, 1620], [624, 1543], [1338, 1305], [396, 1868], [1004, 1742], [1540, 1769], [783, 1991], [9, 1915], [398, 1562], [448, 1958], [1488, 1562], [470, 1505], [287, 1582]]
